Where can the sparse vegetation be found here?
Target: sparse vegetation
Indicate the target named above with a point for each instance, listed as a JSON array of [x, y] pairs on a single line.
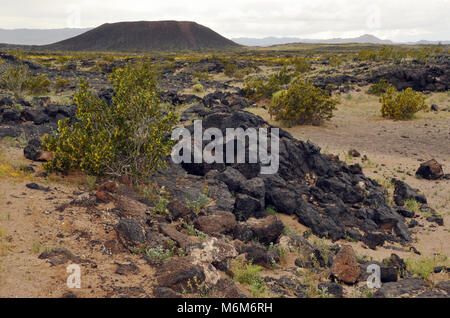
[[61, 84], [38, 85], [379, 88], [14, 79], [127, 138], [412, 205], [192, 231], [198, 204], [158, 253], [402, 105], [302, 65], [248, 274], [424, 267], [198, 88], [302, 103]]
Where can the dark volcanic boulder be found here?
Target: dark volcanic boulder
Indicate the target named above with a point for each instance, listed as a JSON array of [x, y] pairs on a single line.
[[267, 230], [36, 116], [6, 101], [217, 223], [33, 149], [247, 207], [408, 287], [180, 275], [11, 115], [130, 233], [232, 178], [404, 192], [431, 170], [333, 289]]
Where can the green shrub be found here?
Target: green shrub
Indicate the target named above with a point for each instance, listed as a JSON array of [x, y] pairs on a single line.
[[402, 105], [302, 103], [336, 61], [37, 85], [192, 231], [230, 68], [367, 55], [241, 73], [379, 88], [424, 267], [248, 274], [198, 88], [202, 76], [258, 88], [302, 65], [412, 205], [61, 83], [127, 138], [14, 79], [283, 77], [158, 253], [197, 205]]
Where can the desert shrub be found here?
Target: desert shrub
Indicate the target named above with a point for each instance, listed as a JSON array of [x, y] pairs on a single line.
[[3, 66], [197, 205], [248, 274], [258, 88], [301, 64], [18, 54], [283, 77], [241, 73], [335, 61], [61, 83], [379, 88], [37, 85], [230, 68], [402, 105], [192, 231], [424, 267], [203, 76], [198, 88], [367, 55], [127, 138], [388, 53], [422, 56], [14, 79], [302, 103], [158, 253]]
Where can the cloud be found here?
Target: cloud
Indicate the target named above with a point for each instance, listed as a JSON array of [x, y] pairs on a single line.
[[398, 20]]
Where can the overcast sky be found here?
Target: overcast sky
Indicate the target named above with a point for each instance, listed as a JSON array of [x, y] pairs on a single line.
[[399, 20]]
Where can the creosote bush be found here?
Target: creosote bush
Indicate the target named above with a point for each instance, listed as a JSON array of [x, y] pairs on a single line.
[[302, 65], [402, 105], [302, 103], [258, 88], [14, 79], [379, 88], [61, 83], [198, 88], [130, 137], [19, 80], [230, 68], [37, 85]]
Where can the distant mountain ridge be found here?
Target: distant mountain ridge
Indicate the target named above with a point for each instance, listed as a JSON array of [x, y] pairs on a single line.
[[38, 36], [145, 36], [364, 39]]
